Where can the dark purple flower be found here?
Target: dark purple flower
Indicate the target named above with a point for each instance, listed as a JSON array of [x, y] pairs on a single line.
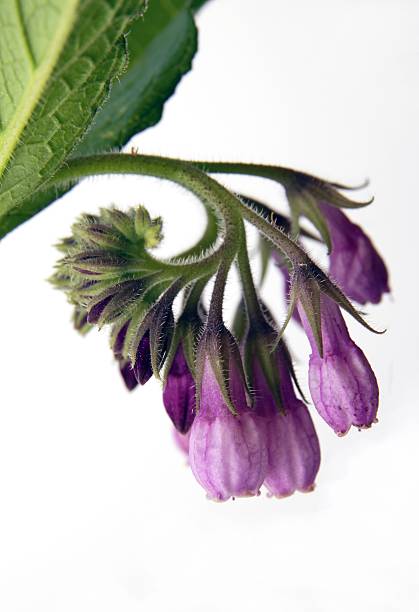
[[179, 393], [127, 374], [293, 446], [227, 453], [142, 368], [342, 384], [355, 264]]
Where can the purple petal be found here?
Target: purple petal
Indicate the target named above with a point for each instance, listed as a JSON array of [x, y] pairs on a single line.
[[227, 453], [142, 368], [179, 393], [127, 374], [355, 264], [293, 452], [342, 384]]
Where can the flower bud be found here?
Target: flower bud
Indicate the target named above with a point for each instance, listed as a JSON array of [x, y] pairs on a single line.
[[179, 393], [342, 384], [292, 443], [227, 452], [142, 368], [355, 264], [127, 374]]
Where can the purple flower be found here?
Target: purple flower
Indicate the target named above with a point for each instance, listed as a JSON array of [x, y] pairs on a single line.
[[127, 373], [293, 446], [342, 384], [179, 393], [227, 453], [182, 440], [142, 368], [355, 264]]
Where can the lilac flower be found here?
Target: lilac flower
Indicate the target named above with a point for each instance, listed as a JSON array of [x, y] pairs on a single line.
[[182, 440], [179, 393], [227, 453], [342, 384], [293, 446], [354, 262]]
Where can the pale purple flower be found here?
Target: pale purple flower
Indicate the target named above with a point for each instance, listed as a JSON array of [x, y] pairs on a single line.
[[355, 264], [182, 441], [293, 446], [227, 453], [179, 393], [342, 384]]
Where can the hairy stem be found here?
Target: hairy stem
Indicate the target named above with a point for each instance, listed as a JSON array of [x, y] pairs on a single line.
[[211, 193]]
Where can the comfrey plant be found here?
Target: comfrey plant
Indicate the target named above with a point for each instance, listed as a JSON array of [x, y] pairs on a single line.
[[232, 396]]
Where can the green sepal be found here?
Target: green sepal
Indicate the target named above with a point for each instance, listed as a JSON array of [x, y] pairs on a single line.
[[80, 321], [121, 221], [161, 333], [325, 192], [158, 321], [302, 203], [186, 332], [219, 346], [189, 326], [265, 250], [122, 300], [140, 319], [100, 235], [292, 304], [307, 291], [321, 190], [147, 229], [259, 346], [282, 222], [240, 321], [332, 291]]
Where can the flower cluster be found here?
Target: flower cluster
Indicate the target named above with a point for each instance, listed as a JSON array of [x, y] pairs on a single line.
[[234, 400]]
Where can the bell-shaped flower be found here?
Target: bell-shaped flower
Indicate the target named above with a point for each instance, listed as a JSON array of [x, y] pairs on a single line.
[[227, 446], [355, 264], [342, 384], [292, 442]]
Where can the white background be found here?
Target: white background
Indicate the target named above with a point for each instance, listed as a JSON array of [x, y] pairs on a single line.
[[98, 511]]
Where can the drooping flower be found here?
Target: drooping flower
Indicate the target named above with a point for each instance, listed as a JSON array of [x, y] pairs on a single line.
[[182, 441], [355, 264], [142, 368], [227, 452], [127, 374], [179, 393], [292, 442], [342, 384]]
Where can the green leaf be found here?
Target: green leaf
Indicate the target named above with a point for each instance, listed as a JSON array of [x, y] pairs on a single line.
[[69, 52], [161, 47]]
